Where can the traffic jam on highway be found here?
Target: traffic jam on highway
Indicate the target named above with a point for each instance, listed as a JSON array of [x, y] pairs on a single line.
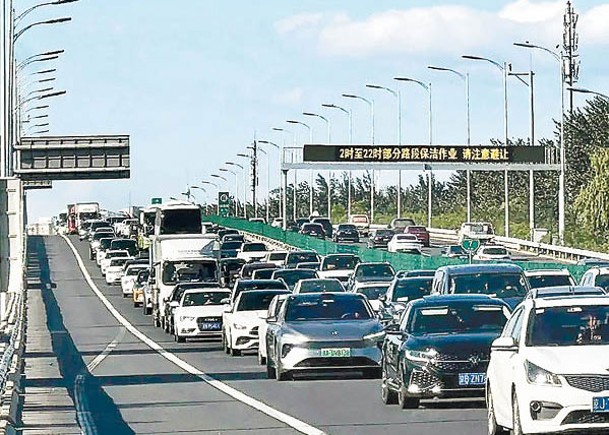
[[533, 344]]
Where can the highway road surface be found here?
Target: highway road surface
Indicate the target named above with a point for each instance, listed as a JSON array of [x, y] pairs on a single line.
[[130, 377]]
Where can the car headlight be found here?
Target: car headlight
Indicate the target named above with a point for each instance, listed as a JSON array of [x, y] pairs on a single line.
[[539, 376], [375, 336], [187, 318], [421, 356], [239, 326]]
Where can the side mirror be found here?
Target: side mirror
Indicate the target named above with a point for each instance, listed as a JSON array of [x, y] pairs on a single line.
[[393, 328], [383, 299], [504, 344], [174, 304], [225, 301], [272, 319]]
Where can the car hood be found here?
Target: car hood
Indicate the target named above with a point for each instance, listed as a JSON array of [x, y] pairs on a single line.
[[571, 359], [459, 343], [332, 329], [200, 311]]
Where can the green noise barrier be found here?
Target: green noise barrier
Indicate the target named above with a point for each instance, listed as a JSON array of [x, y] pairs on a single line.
[[400, 261]]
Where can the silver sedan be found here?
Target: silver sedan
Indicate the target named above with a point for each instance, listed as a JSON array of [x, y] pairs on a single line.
[[324, 332]]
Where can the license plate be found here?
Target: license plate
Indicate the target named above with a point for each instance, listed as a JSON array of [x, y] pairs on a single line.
[[210, 326], [336, 353], [466, 379], [600, 404]]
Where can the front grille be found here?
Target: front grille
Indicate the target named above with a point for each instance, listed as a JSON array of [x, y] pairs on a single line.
[[585, 417], [454, 363], [356, 361], [595, 384]]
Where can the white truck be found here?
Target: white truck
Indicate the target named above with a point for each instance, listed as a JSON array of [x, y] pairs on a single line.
[[180, 258], [86, 211]]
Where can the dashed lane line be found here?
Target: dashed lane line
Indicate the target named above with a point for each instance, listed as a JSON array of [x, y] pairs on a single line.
[[293, 422]]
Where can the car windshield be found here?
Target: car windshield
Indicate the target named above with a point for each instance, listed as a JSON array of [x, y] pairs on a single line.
[[549, 280], [103, 235], [231, 245], [253, 301], [410, 289], [495, 251], [384, 233], [373, 292], [347, 227], [380, 270], [302, 257], [291, 277], [457, 318], [312, 227], [104, 243], [123, 244], [143, 276], [569, 326], [263, 273], [326, 307], [320, 286], [502, 285], [117, 262], [132, 271], [254, 247], [181, 221], [340, 262], [204, 298], [173, 272], [259, 285], [117, 254]]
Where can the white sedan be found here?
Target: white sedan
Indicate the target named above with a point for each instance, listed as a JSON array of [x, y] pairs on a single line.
[[199, 313], [548, 370], [404, 243], [109, 256], [129, 276], [114, 271], [253, 251], [271, 317], [491, 252], [241, 321]]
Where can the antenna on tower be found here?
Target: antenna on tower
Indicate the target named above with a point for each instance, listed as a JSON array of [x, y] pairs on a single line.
[[570, 47]]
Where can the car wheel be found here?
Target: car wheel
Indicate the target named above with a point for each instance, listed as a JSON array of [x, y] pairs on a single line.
[[235, 352], [404, 400], [147, 310], [165, 325], [225, 344], [261, 359], [157, 322], [493, 427], [180, 339], [388, 396], [270, 370], [516, 422]]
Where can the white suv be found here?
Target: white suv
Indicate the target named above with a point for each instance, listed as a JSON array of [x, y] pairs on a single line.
[[549, 370]]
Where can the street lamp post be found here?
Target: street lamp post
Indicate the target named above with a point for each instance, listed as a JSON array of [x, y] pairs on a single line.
[[329, 139], [465, 78], [370, 104], [236, 165], [559, 56], [268, 182], [349, 113], [308, 127], [217, 190], [504, 70], [427, 88], [244, 156], [398, 98], [285, 175], [282, 194]]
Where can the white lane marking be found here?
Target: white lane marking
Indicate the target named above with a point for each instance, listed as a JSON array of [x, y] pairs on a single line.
[[102, 356], [293, 422]]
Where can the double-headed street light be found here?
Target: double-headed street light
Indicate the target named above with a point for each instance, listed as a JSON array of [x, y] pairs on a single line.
[[465, 78], [243, 174], [308, 127], [26, 12], [329, 139], [427, 88], [282, 195], [245, 183], [370, 104], [349, 113], [397, 95], [40, 23]]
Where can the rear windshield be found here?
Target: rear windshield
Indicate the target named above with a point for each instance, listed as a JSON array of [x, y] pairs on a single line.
[[321, 286], [132, 271], [380, 270], [231, 245], [302, 257], [123, 244], [253, 301], [277, 256], [347, 227], [291, 277], [549, 281], [502, 285], [254, 247], [346, 262], [410, 289], [373, 293], [118, 261]]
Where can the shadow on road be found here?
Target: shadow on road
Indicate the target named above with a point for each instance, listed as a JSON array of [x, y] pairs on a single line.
[[106, 416]]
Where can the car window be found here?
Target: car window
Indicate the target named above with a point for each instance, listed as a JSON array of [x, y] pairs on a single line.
[[584, 325], [340, 262], [602, 281], [501, 285]]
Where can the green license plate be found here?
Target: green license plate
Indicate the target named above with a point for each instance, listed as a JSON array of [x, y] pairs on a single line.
[[336, 353]]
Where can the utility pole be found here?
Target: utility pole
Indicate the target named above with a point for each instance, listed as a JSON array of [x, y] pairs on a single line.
[[254, 175], [570, 47]]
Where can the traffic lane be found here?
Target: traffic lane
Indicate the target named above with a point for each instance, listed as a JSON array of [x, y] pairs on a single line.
[[314, 401], [152, 394]]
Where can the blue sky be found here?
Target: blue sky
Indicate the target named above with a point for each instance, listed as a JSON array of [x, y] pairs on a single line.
[[192, 81]]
